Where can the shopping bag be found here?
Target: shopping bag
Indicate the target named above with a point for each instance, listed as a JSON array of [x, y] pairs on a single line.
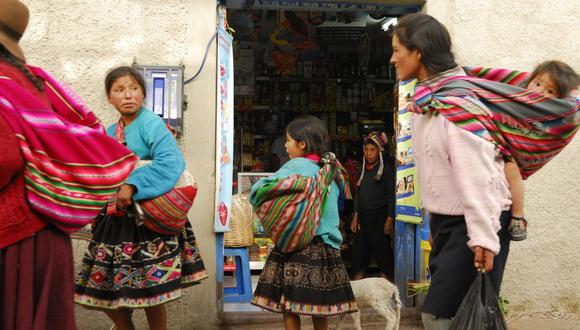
[[480, 308]]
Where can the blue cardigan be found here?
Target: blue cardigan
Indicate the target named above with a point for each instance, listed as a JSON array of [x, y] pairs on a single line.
[[148, 137], [328, 228]]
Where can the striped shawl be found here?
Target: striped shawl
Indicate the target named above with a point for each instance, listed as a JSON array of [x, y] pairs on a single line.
[[72, 168], [290, 208], [526, 126]]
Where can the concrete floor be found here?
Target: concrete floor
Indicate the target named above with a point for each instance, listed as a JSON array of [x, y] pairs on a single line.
[[244, 317]]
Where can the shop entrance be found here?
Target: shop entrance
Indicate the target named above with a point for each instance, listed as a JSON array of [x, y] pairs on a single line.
[[328, 59]]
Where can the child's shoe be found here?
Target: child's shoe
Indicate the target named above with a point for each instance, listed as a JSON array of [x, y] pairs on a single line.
[[517, 230]]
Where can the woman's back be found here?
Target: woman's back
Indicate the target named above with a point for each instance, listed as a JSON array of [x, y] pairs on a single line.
[[328, 228]]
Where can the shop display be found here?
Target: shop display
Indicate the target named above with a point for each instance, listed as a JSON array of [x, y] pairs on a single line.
[[289, 66], [293, 64]]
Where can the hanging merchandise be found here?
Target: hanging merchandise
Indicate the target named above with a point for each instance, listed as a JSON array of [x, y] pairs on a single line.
[[284, 62], [316, 18], [292, 36], [364, 52], [225, 127], [407, 189]]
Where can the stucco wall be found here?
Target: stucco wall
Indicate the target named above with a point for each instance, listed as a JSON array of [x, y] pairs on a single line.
[[79, 40], [542, 271]]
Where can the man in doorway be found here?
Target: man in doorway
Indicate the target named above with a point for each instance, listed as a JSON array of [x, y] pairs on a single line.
[[373, 220]]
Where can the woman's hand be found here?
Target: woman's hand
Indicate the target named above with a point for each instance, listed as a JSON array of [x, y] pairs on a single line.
[[390, 227], [125, 196], [483, 259], [354, 225]]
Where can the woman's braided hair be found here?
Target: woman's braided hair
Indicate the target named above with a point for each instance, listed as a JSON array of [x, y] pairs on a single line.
[[15, 62]]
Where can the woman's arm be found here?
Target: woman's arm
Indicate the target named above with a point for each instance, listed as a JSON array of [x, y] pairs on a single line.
[[168, 164]]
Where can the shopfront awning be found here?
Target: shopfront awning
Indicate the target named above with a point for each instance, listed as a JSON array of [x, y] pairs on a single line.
[[391, 7]]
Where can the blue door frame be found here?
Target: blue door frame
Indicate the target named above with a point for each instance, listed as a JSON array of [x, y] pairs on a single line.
[[409, 257]]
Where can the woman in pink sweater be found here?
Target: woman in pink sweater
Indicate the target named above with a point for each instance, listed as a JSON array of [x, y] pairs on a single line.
[[461, 176]]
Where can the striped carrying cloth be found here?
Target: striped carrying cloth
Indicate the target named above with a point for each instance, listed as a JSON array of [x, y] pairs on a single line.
[[526, 126], [290, 208], [72, 167], [167, 214]]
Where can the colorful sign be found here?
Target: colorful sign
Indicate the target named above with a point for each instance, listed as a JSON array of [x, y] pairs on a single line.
[[224, 129], [407, 189]]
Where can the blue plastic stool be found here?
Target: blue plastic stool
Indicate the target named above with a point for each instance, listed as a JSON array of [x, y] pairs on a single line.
[[242, 292]]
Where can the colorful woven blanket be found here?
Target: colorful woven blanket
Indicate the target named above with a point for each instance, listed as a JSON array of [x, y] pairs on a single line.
[[72, 167], [290, 208], [526, 126]]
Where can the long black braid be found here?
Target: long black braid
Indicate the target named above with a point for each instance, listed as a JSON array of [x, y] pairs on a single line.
[[15, 62]]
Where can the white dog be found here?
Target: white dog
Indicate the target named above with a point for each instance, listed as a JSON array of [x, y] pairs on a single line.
[[381, 295]]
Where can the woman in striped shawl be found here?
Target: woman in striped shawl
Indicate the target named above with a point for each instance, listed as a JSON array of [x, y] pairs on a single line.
[[465, 126], [311, 280]]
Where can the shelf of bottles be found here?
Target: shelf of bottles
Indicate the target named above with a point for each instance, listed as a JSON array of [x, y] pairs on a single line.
[[331, 87]]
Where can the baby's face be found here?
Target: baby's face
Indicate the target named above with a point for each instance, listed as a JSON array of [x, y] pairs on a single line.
[[543, 83]]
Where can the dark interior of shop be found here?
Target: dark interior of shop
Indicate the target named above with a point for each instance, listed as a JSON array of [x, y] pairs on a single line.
[[330, 64]]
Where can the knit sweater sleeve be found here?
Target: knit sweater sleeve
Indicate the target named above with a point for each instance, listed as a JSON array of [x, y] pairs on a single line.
[[168, 163], [473, 161]]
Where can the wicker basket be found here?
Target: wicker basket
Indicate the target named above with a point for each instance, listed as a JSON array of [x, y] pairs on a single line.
[[241, 233]]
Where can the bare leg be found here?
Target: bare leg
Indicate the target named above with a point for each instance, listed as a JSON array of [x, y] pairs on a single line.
[[156, 317], [291, 321], [122, 318], [320, 322]]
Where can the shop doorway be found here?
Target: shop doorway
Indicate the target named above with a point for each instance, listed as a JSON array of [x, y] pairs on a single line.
[[328, 59]]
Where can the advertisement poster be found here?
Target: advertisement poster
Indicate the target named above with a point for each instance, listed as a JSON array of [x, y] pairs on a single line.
[[407, 188], [224, 129]]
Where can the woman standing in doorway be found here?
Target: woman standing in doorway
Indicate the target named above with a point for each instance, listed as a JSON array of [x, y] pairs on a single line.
[[126, 265], [461, 175]]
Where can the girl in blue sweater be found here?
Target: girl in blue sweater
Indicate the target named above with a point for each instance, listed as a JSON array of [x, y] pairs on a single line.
[[126, 265], [311, 281]]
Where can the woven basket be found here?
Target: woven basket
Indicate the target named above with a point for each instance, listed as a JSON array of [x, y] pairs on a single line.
[[241, 233]]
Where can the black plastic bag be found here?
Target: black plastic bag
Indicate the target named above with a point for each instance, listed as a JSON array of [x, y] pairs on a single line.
[[479, 309]]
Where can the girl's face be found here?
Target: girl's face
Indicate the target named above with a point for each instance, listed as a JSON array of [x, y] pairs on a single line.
[[371, 153], [406, 61], [126, 96], [294, 148], [543, 83]]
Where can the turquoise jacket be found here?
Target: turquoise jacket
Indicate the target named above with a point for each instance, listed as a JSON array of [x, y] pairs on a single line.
[[328, 228], [148, 137]]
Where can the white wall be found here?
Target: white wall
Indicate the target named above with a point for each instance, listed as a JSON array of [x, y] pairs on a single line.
[[543, 271], [79, 40]]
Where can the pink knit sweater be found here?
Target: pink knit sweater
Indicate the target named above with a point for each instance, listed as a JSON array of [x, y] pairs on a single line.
[[460, 174]]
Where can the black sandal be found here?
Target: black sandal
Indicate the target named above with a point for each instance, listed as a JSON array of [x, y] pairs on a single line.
[[516, 231]]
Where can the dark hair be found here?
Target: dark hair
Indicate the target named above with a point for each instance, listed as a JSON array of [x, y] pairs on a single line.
[[17, 63], [311, 131], [123, 71], [565, 78], [427, 35]]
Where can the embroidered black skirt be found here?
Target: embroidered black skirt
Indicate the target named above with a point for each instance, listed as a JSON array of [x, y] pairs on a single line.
[[451, 263], [312, 281], [122, 267]]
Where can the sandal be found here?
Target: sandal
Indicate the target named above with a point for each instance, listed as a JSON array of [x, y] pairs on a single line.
[[516, 231]]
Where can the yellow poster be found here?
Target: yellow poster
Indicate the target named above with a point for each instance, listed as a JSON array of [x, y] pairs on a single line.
[[407, 189]]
